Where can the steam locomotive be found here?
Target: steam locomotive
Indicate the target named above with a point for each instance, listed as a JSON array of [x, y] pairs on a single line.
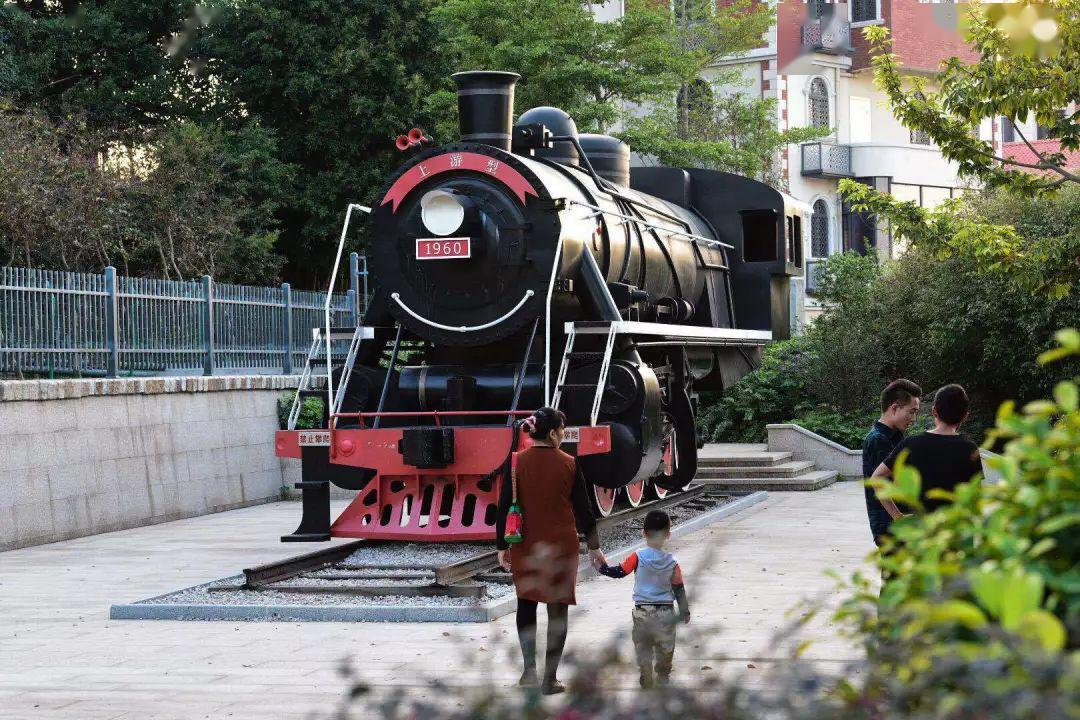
[[530, 265]]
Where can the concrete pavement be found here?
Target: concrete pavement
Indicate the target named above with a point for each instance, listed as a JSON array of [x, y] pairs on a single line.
[[60, 656]]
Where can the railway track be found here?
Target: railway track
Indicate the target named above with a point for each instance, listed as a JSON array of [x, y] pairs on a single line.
[[326, 572]]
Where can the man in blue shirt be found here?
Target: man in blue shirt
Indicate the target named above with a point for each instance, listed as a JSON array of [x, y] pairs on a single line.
[[899, 408]]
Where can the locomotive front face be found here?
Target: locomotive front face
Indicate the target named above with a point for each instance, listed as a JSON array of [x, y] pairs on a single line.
[[463, 246]]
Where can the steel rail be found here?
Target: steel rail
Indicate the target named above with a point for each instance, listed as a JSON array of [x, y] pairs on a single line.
[[256, 577], [451, 574], [469, 567]]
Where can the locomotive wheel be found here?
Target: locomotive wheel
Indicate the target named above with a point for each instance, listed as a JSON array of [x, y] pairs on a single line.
[[655, 492], [671, 461], [635, 493], [604, 500]]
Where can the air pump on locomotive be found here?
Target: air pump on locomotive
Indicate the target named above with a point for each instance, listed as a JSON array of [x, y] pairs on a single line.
[[530, 265]]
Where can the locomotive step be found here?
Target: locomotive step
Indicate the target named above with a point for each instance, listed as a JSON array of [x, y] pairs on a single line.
[[586, 355], [785, 469], [579, 386]]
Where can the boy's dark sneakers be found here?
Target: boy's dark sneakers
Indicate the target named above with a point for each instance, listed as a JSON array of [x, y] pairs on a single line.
[[552, 687], [646, 681], [663, 680], [529, 679]]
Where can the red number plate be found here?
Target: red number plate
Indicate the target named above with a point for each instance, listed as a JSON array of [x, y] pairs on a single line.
[[443, 248]]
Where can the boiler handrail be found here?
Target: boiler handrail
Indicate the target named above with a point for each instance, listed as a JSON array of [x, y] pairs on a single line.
[[329, 297]]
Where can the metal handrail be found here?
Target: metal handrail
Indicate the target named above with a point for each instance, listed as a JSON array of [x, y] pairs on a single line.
[[652, 226], [463, 328], [435, 414], [329, 296]]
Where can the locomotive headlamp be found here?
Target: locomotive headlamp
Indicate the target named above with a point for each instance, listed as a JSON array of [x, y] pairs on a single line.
[[442, 212]]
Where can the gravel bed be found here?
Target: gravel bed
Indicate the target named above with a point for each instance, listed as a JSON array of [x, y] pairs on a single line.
[[413, 555], [373, 571], [202, 595], [628, 532], [351, 582]]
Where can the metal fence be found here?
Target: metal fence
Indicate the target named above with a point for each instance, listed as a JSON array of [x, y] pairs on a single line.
[[64, 323]]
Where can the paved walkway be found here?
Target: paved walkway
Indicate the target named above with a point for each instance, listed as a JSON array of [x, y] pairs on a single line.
[[61, 657]]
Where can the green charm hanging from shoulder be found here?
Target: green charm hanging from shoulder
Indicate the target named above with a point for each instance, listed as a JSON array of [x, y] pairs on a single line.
[[514, 519]]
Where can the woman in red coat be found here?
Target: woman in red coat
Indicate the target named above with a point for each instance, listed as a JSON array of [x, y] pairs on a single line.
[[555, 507]]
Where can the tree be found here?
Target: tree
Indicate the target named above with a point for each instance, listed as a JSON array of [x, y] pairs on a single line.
[[566, 57], [1014, 77], [630, 70], [733, 133], [334, 81], [1032, 260], [107, 61], [178, 205]]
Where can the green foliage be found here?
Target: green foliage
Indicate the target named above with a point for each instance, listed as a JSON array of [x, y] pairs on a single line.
[[566, 57], [1005, 81], [311, 412], [935, 321], [847, 428], [934, 316], [733, 133], [107, 60], [993, 574], [334, 81], [775, 392], [1000, 232], [179, 205]]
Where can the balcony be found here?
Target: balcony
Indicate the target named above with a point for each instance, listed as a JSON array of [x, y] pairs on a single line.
[[831, 36], [826, 160]]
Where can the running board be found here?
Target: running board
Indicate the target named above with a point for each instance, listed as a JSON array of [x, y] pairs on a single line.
[[733, 337]]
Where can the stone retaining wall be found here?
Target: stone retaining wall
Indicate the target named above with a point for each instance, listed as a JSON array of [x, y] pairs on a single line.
[[79, 457], [806, 445]]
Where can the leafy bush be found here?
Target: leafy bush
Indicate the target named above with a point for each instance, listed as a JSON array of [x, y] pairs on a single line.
[[933, 320], [774, 392], [996, 568], [848, 429], [311, 412]]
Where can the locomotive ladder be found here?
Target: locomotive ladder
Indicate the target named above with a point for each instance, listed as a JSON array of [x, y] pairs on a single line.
[[319, 344], [605, 367]]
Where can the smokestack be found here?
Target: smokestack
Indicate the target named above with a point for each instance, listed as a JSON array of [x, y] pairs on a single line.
[[486, 106]]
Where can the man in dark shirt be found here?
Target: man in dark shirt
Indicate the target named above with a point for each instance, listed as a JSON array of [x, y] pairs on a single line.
[[943, 457], [899, 408]]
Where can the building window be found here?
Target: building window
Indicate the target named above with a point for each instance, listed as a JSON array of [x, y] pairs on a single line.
[[695, 103], [691, 11], [1008, 130], [819, 230], [1047, 132], [819, 103], [864, 10], [920, 137]]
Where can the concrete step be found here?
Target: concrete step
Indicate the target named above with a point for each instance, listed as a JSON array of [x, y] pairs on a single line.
[[714, 449], [807, 481], [744, 459], [780, 469]]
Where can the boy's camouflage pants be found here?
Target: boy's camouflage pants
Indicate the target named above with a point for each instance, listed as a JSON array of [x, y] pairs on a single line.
[[654, 634]]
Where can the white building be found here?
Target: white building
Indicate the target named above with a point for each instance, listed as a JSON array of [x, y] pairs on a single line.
[[816, 63]]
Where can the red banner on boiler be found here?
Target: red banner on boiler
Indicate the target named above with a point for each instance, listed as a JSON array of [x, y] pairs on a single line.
[[494, 167]]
